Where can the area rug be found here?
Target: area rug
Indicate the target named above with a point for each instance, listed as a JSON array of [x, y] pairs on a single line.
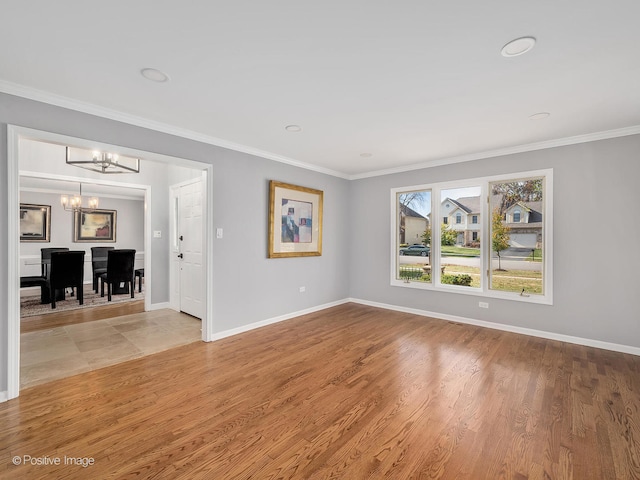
[[31, 306]]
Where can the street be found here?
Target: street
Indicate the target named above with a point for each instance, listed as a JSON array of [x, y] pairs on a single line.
[[511, 260]]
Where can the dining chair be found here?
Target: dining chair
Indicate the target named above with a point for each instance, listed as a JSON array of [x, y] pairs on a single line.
[[66, 270], [120, 269], [42, 280], [45, 258], [99, 263]]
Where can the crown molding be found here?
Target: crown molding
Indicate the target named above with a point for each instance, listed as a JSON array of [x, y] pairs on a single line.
[[529, 147], [85, 107], [91, 109]]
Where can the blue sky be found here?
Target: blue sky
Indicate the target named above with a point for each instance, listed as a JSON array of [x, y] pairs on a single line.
[[453, 193]]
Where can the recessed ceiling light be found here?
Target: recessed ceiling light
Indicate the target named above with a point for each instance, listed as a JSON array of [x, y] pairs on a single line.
[[366, 155], [539, 116], [518, 46], [293, 128], [154, 75]]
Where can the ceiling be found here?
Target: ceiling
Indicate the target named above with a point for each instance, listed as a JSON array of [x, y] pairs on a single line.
[[374, 85]]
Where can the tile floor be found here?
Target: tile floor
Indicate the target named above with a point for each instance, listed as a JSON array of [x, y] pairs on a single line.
[[60, 352]]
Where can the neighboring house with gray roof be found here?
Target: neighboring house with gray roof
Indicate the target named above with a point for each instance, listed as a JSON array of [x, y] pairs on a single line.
[[523, 218], [463, 216]]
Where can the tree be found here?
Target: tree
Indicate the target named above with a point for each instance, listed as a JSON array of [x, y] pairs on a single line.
[[520, 191], [426, 237], [499, 234], [448, 236]]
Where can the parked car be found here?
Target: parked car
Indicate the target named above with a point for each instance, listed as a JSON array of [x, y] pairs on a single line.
[[417, 250]]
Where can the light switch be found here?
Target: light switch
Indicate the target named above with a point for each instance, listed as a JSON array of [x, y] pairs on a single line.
[[157, 234], [218, 233]]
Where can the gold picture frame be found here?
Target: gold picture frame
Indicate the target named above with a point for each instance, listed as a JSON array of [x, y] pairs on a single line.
[[295, 220]]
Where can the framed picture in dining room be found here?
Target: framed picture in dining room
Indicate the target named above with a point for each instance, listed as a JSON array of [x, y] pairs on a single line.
[[35, 223], [95, 226], [295, 221]]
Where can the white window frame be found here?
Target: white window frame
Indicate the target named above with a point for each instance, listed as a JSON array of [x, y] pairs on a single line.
[[485, 228]]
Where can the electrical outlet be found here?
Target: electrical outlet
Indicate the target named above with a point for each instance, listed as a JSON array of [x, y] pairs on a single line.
[[303, 289], [483, 305]]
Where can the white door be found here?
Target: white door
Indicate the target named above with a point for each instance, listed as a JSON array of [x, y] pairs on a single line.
[[190, 241]]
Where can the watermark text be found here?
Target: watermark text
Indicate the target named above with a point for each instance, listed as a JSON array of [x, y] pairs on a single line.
[[47, 460]]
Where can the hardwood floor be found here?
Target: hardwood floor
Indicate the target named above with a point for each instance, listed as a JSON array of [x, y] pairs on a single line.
[[351, 392], [82, 315]]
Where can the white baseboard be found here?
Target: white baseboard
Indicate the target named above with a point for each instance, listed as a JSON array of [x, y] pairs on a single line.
[[270, 321], [507, 328], [4, 396]]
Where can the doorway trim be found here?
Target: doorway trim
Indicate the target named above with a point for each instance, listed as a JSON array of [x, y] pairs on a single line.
[[14, 133]]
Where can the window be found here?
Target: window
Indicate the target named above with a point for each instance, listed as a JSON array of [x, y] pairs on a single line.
[[504, 252], [517, 248], [459, 265], [516, 216], [413, 236]]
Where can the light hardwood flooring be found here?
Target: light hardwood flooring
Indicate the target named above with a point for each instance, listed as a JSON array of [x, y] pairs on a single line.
[[352, 392], [67, 343]]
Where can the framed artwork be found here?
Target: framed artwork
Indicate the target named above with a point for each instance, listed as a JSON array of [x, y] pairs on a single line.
[[35, 223], [95, 226], [295, 221]]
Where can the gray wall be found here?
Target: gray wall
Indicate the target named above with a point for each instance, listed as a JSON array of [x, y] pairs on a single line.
[[247, 287], [596, 260]]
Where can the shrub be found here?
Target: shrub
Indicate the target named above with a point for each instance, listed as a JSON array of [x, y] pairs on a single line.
[[464, 279]]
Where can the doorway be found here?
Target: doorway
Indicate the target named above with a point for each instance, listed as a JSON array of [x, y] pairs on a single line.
[[14, 135], [186, 247]]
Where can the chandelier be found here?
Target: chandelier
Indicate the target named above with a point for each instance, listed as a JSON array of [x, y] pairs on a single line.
[[104, 162], [73, 203]]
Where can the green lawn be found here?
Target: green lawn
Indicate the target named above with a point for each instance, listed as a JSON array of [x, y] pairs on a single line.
[[536, 256], [507, 281], [459, 251]]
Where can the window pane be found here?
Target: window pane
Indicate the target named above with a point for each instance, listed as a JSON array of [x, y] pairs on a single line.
[[460, 260], [414, 236], [516, 236]]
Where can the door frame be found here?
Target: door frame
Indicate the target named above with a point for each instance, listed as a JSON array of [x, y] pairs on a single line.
[[14, 133]]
